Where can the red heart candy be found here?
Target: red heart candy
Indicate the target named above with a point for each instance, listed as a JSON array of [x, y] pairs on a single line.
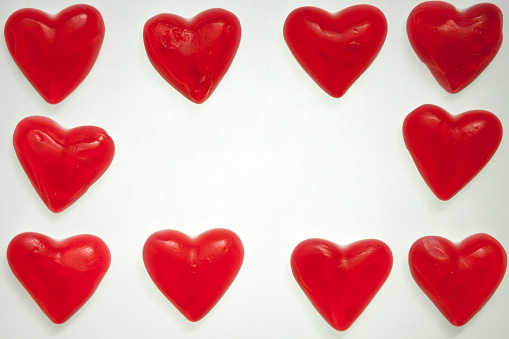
[[55, 52], [455, 45], [340, 281], [61, 163], [193, 273], [458, 278], [448, 150], [193, 55], [335, 48], [59, 275]]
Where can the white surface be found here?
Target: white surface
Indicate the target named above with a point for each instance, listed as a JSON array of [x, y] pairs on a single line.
[[269, 156]]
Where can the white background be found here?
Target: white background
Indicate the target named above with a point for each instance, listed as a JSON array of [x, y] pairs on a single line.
[[269, 156]]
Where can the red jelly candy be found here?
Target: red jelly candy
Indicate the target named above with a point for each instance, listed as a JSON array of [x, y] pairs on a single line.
[[193, 55], [59, 275], [458, 278], [335, 48], [55, 52], [340, 281], [193, 273], [455, 45], [61, 163], [448, 150]]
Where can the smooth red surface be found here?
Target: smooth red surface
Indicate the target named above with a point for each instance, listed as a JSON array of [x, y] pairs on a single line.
[[340, 281], [193, 273], [335, 48], [193, 55], [59, 275], [449, 151], [456, 45], [55, 52], [458, 278], [61, 163]]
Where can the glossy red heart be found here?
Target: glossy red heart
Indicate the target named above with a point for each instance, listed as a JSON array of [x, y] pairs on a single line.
[[335, 48], [340, 281], [193, 55], [61, 163], [456, 45], [193, 273], [55, 52], [449, 151], [59, 275], [458, 278]]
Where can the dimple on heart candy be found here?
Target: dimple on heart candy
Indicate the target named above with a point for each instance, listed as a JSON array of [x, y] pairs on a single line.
[[340, 281], [60, 275], [193, 273], [456, 45], [459, 278], [55, 52], [61, 163]]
